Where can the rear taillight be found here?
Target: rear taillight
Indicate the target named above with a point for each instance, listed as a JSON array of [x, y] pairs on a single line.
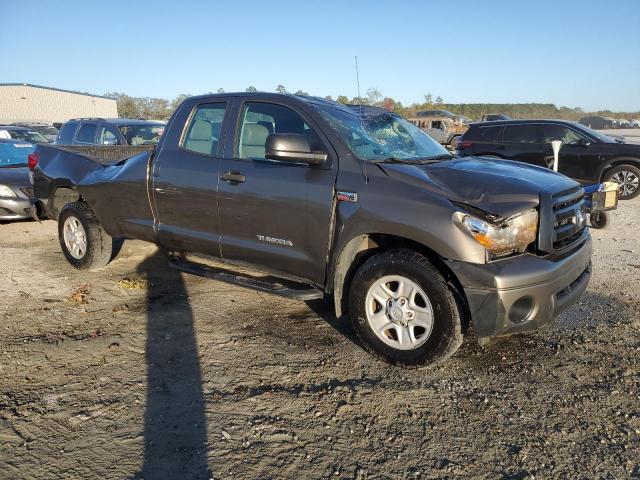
[[32, 161], [464, 144]]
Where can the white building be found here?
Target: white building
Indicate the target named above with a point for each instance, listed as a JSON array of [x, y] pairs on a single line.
[[22, 102]]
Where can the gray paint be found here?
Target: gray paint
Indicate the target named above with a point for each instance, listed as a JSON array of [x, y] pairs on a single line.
[[178, 200]]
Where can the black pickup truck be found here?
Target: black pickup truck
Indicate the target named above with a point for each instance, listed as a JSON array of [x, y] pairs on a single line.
[[413, 243]]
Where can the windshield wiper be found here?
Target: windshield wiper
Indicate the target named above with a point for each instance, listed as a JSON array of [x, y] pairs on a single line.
[[443, 156]]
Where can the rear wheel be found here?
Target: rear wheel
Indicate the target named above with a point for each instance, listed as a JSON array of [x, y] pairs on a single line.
[[628, 177], [84, 242], [403, 311]]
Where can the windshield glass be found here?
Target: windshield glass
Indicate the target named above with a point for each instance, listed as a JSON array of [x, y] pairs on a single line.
[[14, 154], [27, 136], [142, 134], [380, 135], [594, 133], [44, 129]]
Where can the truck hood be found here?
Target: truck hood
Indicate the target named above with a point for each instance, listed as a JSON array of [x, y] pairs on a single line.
[[499, 187]]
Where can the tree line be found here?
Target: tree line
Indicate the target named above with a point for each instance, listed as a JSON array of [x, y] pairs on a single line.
[[161, 109]]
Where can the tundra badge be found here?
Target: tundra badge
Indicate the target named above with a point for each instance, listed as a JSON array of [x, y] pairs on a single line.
[[279, 241], [347, 197]]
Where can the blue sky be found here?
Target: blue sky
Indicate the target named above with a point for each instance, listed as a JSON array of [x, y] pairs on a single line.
[[568, 52]]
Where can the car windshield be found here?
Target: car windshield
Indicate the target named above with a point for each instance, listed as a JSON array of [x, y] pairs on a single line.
[[379, 135], [594, 133], [142, 134], [44, 129], [27, 136], [14, 154]]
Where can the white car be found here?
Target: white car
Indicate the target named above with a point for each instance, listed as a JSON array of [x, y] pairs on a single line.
[[635, 123]]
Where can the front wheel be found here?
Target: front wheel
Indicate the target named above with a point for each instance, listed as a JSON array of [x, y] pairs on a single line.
[[84, 242], [403, 311], [628, 177], [599, 220]]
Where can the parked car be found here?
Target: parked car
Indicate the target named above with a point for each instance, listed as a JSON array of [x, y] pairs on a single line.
[[492, 117], [443, 129], [48, 131], [635, 123], [110, 131], [586, 155], [623, 123], [22, 133], [597, 122], [15, 186], [359, 204]]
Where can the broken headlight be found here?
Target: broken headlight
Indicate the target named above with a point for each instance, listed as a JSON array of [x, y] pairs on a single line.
[[513, 234]]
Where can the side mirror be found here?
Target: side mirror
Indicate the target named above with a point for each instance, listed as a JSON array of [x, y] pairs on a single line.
[[583, 142], [292, 147]]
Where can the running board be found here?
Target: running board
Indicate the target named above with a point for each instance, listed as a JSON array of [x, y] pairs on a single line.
[[221, 275]]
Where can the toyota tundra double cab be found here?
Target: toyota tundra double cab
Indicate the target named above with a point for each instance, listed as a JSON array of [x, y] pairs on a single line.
[[414, 244]]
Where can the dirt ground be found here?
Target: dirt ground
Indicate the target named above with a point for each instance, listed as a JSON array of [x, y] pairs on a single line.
[[137, 371]]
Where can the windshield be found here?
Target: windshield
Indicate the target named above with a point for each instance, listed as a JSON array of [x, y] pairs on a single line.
[[44, 129], [142, 134], [13, 154], [379, 135], [27, 136], [594, 133]]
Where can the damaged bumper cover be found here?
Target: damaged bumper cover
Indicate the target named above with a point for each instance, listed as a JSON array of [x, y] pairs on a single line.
[[522, 293]]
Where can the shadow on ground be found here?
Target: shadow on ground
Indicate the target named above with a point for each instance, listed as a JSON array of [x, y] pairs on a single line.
[[175, 430]]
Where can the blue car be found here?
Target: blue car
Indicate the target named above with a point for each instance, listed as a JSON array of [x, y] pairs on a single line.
[[16, 192]]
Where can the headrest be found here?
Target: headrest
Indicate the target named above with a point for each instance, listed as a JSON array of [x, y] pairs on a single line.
[[254, 134]]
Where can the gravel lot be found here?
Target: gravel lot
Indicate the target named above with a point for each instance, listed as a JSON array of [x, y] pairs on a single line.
[[139, 372]]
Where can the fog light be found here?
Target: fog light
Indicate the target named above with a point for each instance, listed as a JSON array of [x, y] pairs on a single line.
[[521, 310]]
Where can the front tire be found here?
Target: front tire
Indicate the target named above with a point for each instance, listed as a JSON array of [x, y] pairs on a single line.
[[403, 311], [84, 242], [628, 177]]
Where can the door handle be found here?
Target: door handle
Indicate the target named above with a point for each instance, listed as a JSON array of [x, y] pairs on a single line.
[[233, 177]]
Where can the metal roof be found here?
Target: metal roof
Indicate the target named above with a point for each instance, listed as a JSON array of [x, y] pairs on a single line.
[[54, 89]]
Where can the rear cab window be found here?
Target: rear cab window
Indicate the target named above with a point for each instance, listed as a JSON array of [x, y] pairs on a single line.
[[87, 134], [65, 136]]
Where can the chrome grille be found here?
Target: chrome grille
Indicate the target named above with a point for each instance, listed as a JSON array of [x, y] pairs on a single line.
[[562, 220]]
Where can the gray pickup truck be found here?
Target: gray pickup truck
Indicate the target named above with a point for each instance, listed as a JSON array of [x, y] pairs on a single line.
[[359, 205]]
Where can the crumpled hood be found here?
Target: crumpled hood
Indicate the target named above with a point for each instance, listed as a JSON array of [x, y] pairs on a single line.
[[16, 177], [499, 187]]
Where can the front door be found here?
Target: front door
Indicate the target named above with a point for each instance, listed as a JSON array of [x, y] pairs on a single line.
[[275, 215], [578, 157], [185, 183]]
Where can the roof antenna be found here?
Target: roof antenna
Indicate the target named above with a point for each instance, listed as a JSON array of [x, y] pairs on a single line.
[[363, 163]]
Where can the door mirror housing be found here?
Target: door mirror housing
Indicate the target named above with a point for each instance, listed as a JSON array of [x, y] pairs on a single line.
[[292, 147], [583, 142]]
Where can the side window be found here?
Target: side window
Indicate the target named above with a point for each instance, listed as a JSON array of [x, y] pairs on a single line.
[[520, 134], [490, 134], [437, 124], [65, 137], [87, 133], [558, 132], [107, 136], [259, 120], [203, 133]]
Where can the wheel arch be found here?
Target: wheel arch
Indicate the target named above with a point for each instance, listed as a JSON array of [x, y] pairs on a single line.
[[616, 162], [357, 250], [61, 195]]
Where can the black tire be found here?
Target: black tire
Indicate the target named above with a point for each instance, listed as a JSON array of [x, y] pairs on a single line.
[[100, 247], [621, 169], [446, 335], [599, 220], [453, 141]]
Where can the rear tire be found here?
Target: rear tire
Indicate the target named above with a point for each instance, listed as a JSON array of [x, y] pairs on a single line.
[[84, 242], [422, 296], [628, 176]]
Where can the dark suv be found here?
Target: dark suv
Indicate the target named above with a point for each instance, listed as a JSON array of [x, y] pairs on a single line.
[[586, 155], [110, 131]]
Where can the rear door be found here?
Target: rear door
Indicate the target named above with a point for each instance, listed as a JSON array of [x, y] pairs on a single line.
[[185, 179], [275, 215], [522, 142]]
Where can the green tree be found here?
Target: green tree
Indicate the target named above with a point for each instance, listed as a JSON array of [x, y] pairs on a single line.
[[374, 96], [439, 100], [175, 103], [281, 89], [251, 88], [342, 99], [329, 97], [221, 90], [301, 93]]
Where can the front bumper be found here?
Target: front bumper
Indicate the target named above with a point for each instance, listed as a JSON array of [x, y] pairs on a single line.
[[16, 208], [522, 293]]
